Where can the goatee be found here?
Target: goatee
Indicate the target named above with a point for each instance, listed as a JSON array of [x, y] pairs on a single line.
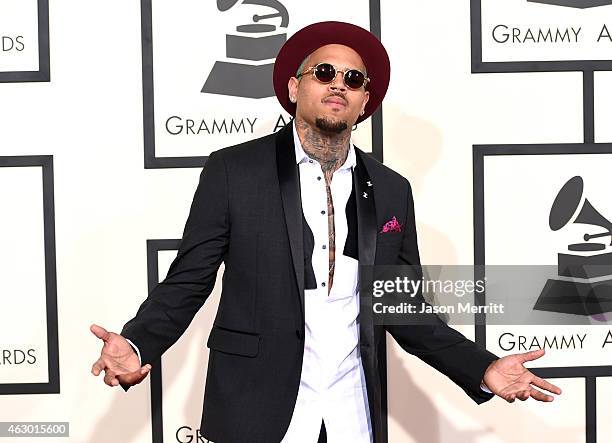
[[329, 125]]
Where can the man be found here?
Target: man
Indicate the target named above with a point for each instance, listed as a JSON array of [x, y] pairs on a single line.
[[295, 354]]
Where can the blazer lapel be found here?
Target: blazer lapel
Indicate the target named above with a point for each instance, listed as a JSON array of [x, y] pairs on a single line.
[[366, 210], [366, 232], [289, 182]]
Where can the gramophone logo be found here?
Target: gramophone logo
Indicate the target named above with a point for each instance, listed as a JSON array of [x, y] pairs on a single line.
[[253, 43], [584, 282], [581, 4]]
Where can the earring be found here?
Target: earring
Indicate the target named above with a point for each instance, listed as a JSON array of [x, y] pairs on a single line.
[[292, 99], [362, 112]]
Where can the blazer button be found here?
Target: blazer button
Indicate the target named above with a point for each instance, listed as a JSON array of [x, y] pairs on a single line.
[[298, 334]]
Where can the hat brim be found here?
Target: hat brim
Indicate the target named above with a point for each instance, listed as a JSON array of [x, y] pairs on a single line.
[[311, 38]]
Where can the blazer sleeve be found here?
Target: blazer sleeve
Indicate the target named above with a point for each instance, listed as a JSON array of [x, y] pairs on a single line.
[[432, 340], [171, 305]]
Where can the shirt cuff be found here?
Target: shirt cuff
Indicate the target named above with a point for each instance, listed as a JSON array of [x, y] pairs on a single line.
[[137, 351], [484, 387]]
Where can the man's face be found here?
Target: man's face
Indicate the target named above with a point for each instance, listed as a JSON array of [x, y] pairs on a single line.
[[331, 107]]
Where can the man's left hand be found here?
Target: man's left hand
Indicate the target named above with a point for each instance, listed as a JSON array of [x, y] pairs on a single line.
[[509, 379]]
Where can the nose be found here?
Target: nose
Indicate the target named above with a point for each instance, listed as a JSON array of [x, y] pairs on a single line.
[[338, 82]]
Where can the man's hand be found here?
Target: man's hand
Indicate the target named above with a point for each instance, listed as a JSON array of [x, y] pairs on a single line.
[[117, 359], [509, 379]]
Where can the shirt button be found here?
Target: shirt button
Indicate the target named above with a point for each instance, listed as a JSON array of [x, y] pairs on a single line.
[[318, 178], [323, 212], [324, 246], [323, 284], [309, 161]]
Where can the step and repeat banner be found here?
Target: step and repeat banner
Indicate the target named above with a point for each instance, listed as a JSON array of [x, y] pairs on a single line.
[[497, 113], [24, 35], [209, 86]]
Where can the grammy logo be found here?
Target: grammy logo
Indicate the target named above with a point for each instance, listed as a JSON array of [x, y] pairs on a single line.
[[584, 283], [582, 4], [254, 43]]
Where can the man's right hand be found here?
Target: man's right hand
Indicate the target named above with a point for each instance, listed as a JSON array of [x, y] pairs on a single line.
[[117, 359]]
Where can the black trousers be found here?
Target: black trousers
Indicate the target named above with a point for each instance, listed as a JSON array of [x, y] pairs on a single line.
[[322, 434]]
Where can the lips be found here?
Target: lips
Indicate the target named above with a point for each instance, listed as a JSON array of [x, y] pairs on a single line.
[[335, 101]]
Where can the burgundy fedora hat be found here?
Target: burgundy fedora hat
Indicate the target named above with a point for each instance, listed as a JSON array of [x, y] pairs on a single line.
[[312, 37]]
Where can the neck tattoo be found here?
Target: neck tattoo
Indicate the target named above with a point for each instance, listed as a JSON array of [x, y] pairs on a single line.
[[330, 150]]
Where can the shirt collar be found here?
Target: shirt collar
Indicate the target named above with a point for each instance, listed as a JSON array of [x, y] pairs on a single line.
[[301, 156]]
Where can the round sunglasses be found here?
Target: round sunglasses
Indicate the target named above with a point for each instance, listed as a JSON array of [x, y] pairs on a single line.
[[326, 73]]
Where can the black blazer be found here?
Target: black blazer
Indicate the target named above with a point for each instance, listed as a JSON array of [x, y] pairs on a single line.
[[247, 212]]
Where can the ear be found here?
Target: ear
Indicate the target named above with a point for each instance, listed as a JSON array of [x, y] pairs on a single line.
[[292, 88], [366, 97]]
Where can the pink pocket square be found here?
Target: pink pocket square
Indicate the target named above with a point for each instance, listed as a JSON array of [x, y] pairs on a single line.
[[392, 226]]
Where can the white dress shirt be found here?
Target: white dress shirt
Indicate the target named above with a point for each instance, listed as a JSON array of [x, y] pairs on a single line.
[[332, 385]]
